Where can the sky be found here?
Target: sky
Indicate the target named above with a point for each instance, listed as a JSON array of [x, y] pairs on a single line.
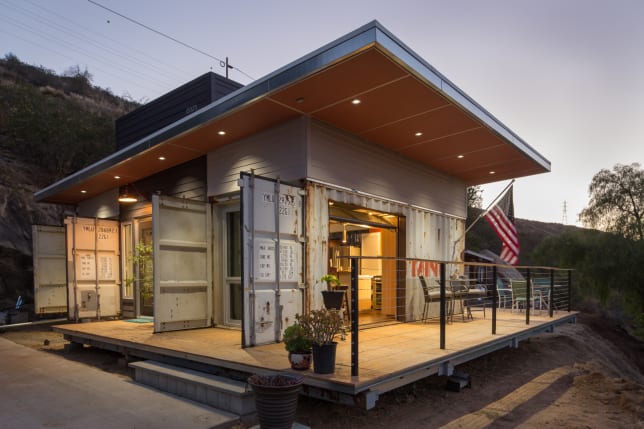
[[567, 76]]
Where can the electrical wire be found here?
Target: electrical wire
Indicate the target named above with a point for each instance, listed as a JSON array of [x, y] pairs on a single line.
[[111, 61], [222, 63], [182, 73]]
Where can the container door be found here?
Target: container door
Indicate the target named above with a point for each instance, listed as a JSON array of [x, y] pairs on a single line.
[[181, 264], [272, 258], [50, 278], [93, 274]]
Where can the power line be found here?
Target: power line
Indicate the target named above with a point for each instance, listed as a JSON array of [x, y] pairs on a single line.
[[136, 57], [222, 63]]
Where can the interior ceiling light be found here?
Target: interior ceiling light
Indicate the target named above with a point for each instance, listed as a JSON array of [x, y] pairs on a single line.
[[460, 156], [221, 132], [162, 158], [126, 197], [356, 101], [117, 177], [83, 191], [492, 172], [299, 100], [331, 203], [418, 134]]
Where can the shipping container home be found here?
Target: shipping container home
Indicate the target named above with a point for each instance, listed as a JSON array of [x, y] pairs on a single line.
[[246, 196]]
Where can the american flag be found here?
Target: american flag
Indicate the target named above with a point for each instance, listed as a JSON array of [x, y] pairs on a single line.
[[501, 217]]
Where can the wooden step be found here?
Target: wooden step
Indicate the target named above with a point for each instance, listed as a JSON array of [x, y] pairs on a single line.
[[218, 392]]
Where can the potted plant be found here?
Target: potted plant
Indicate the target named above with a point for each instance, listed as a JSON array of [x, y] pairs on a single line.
[[321, 327], [276, 398], [298, 345], [332, 298]]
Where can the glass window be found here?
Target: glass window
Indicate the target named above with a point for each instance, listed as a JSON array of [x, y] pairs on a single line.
[[126, 261]]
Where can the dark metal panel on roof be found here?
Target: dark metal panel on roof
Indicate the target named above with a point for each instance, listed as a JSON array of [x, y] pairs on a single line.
[[171, 107]]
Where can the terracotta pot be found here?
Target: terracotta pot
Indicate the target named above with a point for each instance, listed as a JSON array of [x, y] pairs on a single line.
[[300, 360]]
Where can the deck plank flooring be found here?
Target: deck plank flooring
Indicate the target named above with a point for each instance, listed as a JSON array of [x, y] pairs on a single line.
[[384, 351]]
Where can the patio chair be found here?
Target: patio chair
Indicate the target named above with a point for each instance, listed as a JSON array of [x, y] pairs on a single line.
[[433, 294], [504, 294], [460, 289], [519, 294], [541, 292]]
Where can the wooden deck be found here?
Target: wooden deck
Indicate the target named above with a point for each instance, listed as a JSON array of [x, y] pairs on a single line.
[[389, 356]]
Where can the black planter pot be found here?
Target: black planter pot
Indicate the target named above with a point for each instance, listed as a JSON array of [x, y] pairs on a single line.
[[324, 358], [332, 299], [276, 399]]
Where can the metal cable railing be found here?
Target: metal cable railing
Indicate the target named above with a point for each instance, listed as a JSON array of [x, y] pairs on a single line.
[[428, 292]]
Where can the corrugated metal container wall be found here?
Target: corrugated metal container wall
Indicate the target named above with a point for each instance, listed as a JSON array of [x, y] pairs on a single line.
[[428, 235]]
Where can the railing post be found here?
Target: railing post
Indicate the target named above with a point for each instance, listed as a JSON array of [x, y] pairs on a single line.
[[442, 306], [494, 300], [354, 317], [528, 296], [569, 291], [551, 301]]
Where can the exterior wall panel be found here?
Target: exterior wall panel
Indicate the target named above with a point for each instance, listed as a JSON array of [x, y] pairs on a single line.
[[187, 181], [342, 159], [277, 152]]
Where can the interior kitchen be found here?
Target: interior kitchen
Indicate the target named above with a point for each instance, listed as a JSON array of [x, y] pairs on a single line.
[[364, 233]]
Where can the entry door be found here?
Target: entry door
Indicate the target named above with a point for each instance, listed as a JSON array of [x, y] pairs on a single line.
[[272, 267], [181, 264], [50, 278]]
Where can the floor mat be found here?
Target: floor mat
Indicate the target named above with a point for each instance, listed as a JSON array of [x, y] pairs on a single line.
[[141, 320]]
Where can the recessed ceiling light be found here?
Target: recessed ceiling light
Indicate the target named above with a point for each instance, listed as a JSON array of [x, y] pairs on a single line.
[[418, 134], [492, 172], [83, 191], [221, 132], [356, 101], [461, 156], [162, 158], [331, 203], [117, 177]]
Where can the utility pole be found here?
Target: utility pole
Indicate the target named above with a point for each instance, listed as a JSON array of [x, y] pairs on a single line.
[[564, 219]]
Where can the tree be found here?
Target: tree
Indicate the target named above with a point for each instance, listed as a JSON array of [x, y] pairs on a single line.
[[475, 197], [617, 201]]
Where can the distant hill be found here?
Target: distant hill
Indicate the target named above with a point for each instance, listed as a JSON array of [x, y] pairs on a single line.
[[50, 126], [531, 234]]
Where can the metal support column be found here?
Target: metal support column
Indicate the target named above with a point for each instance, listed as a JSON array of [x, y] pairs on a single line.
[[494, 300], [354, 317], [528, 296], [442, 306], [552, 293]]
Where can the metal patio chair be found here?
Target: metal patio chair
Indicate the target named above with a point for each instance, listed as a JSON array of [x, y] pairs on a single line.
[[433, 294], [519, 294]]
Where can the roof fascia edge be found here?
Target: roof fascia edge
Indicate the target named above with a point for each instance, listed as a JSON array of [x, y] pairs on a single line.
[[422, 69], [304, 66]]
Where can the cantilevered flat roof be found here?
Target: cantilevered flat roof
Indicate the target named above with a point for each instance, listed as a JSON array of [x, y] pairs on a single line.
[[405, 106]]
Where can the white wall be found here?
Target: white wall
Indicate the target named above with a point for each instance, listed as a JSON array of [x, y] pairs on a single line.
[[341, 159], [277, 152]]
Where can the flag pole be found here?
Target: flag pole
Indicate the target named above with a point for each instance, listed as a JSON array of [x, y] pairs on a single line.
[[483, 213], [494, 201]]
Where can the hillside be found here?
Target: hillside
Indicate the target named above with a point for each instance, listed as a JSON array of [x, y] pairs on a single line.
[[50, 126]]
